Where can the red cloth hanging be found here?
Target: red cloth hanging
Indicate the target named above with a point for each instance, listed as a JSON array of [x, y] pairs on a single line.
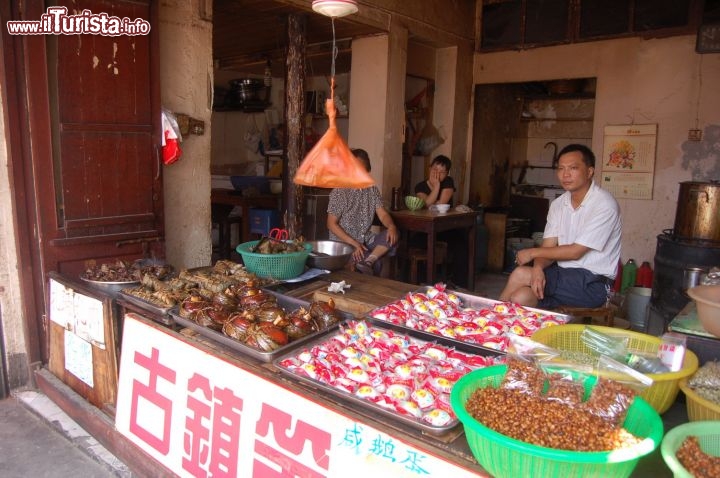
[[171, 138]]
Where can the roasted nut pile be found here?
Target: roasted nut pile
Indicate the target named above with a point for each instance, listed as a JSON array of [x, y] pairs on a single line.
[[706, 382], [696, 461], [556, 420]]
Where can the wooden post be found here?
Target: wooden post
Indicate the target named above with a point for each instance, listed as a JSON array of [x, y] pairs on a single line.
[[294, 120]]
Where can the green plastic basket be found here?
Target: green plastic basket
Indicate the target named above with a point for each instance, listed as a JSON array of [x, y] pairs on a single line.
[[273, 266], [708, 433], [503, 456]]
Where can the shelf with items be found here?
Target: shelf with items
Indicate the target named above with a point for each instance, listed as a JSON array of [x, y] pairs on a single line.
[[565, 108], [540, 120], [272, 157]]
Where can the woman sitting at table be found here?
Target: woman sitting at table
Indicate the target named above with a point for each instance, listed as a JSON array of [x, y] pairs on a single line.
[[438, 188], [350, 217]]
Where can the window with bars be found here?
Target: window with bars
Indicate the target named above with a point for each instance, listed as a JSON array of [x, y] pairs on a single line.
[[520, 24]]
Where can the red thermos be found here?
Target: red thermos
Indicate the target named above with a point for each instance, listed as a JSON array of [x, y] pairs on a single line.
[[644, 275], [618, 278]]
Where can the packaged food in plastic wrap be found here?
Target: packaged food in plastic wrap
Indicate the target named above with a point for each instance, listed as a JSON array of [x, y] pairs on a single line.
[[616, 388]]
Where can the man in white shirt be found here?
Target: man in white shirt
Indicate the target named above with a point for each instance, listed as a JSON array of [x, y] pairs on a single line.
[[577, 261]]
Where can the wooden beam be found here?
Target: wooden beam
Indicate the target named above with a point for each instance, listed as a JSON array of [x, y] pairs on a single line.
[[295, 122]]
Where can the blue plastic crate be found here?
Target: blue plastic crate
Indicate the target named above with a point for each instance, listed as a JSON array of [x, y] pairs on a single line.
[[262, 220]]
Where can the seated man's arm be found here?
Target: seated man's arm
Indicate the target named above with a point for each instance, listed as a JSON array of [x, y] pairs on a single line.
[[550, 252], [545, 255], [333, 225], [386, 220]]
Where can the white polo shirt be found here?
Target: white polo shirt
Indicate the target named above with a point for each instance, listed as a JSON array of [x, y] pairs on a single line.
[[596, 224]]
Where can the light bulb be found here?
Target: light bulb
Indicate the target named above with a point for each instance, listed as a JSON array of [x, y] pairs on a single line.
[[335, 8]]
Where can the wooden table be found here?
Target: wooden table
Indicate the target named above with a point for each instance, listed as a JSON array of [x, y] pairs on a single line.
[[231, 197], [431, 223]]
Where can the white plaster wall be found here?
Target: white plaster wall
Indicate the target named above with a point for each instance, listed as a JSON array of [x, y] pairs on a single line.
[[186, 87], [13, 326], [368, 98], [444, 109], [659, 81]]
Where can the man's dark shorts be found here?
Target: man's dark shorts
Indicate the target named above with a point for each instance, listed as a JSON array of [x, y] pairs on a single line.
[[574, 287]]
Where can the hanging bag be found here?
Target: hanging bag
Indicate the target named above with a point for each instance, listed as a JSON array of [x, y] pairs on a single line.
[[330, 163]]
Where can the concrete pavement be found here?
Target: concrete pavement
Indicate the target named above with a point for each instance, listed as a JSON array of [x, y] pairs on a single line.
[[37, 439]]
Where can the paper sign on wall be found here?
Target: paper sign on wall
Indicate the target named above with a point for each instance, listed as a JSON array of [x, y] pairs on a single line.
[[78, 313], [628, 160]]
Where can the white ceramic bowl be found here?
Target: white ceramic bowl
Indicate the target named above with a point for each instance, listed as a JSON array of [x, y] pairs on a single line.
[[441, 208], [707, 300], [275, 186]]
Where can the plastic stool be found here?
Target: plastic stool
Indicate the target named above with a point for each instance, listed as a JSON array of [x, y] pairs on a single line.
[[262, 220], [418, 256]]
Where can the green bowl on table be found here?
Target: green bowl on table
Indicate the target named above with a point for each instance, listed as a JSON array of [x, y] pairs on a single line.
[[414, 203]]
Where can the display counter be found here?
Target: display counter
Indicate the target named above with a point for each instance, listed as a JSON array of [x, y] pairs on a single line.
[[189, 406]]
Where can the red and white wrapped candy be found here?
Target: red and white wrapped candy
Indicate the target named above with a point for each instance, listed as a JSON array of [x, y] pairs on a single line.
[[439, 312], [393, 371]]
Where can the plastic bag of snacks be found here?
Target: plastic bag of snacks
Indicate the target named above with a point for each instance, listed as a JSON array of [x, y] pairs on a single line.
[[616, 387], [523, 374], [557, 421]]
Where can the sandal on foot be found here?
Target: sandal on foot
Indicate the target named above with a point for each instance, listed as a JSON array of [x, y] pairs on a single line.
[[364, 267]]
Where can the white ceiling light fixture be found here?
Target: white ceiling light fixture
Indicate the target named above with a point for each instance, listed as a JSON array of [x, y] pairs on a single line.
[[335, 8]]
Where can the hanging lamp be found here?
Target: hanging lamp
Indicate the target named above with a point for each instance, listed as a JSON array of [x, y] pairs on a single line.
[[330, 163], [335, 8]]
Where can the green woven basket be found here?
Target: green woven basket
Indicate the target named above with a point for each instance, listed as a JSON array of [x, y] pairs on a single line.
[[708, 433], [503, 456], [273, 266]]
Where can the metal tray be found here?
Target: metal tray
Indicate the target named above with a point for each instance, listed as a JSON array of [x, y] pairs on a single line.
[[369, 408], [111, 288], [145, 304], [160, 314], [468, 300], [286, 302]]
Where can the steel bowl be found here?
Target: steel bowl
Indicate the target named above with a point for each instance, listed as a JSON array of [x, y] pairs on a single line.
[[329, 255]]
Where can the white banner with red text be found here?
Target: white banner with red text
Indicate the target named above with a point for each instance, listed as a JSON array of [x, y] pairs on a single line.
[[199, 415]]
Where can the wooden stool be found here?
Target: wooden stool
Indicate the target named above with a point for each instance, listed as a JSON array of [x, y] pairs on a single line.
[[606, 313], [418, 256], [220, 215]]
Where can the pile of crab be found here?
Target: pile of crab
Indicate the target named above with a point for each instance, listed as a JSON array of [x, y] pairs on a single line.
[[441, 312], [254, 317], [402, 375]]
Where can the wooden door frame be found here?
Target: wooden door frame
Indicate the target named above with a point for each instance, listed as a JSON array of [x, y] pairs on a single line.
[[26, 97], [24, 141]]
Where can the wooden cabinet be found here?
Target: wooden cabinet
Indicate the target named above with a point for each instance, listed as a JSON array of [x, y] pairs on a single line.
[[84, 340]]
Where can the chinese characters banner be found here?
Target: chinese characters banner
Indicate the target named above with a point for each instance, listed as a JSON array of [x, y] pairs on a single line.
[[628, 160], [201, 416]]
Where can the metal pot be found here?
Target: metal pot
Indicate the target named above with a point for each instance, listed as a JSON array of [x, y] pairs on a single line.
[[697, 215], [330, 255]]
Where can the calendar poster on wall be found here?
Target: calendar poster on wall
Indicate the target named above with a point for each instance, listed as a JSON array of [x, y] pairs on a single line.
[[628, 160]]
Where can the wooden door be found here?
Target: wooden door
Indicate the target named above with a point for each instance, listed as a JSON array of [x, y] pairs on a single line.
[[90, 157]]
